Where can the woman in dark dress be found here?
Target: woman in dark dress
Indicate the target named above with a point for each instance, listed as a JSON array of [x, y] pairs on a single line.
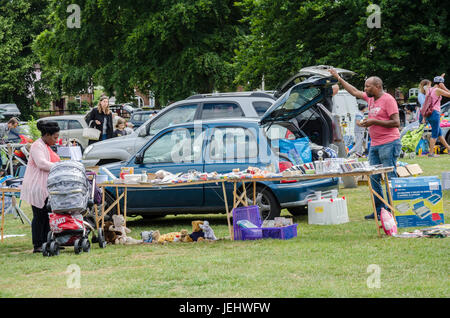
[[101, 119]]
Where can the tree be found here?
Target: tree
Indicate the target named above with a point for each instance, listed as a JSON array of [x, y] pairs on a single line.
[[20, 22], [412, 43], [171, 47]]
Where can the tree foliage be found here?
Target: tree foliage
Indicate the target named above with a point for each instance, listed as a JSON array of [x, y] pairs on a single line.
[[20, 22], [413, 41]]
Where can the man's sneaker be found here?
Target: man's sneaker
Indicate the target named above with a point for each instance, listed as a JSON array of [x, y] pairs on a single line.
[[371, 216]]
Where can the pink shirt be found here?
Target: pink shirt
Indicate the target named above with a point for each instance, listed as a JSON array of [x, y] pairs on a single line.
[[435, 100], [382, 109], [34, 185]]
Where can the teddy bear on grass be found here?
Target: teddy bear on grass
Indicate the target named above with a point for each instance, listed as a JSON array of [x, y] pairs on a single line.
[[122, 231]]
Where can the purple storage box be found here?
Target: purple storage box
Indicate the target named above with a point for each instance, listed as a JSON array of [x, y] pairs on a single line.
[[250, 213], [252, 234], [282, 233]]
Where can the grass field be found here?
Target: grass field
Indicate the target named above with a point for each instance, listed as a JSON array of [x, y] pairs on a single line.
[[323, 261]]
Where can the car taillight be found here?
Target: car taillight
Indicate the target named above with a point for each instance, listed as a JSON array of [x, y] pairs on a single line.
[[284, 165]]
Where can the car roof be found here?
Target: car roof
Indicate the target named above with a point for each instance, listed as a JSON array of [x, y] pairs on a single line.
[[225, 121]]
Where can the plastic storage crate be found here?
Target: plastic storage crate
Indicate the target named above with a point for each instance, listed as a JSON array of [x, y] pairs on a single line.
[[282, 233], [250, 213], [251, 234]]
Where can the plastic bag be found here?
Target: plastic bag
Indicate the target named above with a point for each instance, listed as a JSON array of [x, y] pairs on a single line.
[[298, 150]]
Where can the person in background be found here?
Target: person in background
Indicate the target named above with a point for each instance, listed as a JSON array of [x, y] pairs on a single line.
[[120, 128], [34, 186], [436, 93], [101, 118], [6, 128], [358, 148], [383, 123], [129, 128], [423, 87]]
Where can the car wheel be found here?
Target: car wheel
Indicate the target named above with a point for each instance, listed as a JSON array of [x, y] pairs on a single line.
[[298, 210], [269, 208]]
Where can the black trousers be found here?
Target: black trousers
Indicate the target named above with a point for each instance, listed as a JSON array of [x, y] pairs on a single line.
[[40, 225]]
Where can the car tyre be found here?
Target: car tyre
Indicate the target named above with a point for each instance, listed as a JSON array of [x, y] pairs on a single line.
[[269, 208]]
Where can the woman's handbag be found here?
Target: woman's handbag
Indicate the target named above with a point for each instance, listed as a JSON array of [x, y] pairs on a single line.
[[91, 133], [427, 107]]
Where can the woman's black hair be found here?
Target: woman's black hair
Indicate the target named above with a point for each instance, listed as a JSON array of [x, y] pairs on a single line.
[[47, 127]]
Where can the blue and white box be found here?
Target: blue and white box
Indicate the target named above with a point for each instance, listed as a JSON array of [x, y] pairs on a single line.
[[418, 201]]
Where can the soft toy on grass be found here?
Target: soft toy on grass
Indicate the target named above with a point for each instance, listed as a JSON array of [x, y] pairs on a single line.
[[164, 238], [119, 226], [209, 233], [197, 234]]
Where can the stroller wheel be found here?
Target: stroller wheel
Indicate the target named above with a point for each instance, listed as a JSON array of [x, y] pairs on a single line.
[[101, 239], [76, 247], [45, 250], [85, 245], [49, 236], [54, 248]]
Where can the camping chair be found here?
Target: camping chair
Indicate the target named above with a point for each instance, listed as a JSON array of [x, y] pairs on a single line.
[[14, 208]]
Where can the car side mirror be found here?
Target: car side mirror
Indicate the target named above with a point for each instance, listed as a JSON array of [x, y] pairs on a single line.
[[139, 159]]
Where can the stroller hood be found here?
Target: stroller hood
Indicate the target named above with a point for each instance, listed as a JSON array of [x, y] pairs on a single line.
[[68, 187]]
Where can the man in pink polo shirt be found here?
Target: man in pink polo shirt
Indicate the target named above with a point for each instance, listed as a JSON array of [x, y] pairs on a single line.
[[383, 123]]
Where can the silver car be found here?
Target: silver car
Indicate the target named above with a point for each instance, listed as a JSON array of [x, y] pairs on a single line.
[[196, 107], [71, 127]]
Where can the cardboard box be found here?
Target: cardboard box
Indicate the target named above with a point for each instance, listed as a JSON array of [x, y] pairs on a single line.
[[418, 201]]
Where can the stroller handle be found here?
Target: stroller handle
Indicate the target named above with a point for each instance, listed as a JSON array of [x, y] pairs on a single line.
[[65, 192]]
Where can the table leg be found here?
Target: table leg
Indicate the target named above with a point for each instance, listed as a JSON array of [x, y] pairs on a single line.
[[228, 212], [118, 205], [371, 192], [388, 190], [96, 216], [124, 206], [103, 206], [244, 194], [254, 193], [235, 203], [3, 212]]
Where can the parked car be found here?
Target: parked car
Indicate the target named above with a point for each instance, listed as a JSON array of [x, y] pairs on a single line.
[[9, 110], [124, 110], [213, 145], [140, 117], [71, 127], [197, 107], [344, 105]]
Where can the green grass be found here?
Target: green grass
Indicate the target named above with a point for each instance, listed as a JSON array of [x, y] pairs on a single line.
[[323, 261]]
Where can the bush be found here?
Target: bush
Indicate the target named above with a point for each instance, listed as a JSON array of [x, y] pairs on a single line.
[[34, 131]]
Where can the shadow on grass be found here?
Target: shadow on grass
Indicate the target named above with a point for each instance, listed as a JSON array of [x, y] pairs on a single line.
[[186, 219]]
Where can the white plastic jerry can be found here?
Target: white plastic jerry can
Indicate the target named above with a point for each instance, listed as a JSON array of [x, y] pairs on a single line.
[[325, 211]]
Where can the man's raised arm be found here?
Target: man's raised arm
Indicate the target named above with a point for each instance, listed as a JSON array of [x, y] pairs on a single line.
[[348, 87]]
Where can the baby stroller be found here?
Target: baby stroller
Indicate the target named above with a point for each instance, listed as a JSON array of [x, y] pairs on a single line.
[[70, 200], [410, 138]]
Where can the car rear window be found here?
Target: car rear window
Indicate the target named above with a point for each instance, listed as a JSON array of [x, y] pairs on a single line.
[[261, 107], [74, 124], [221, 110]]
